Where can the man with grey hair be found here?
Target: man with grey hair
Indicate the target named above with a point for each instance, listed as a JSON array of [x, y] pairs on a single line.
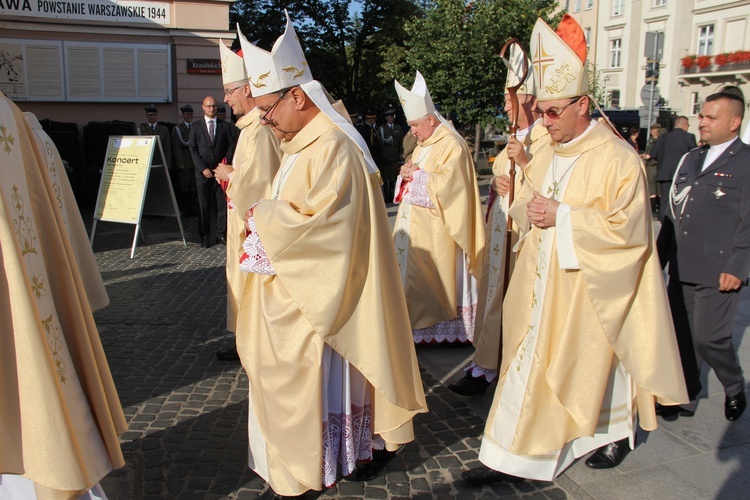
[[247, 180], [439, 232]]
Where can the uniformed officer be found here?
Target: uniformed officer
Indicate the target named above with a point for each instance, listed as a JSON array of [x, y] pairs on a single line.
[[706, 241]]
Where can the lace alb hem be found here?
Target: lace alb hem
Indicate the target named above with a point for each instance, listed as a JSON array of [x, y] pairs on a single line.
[[346, 439], [477, 371], [417, 192], [254, 258], [459, 329]]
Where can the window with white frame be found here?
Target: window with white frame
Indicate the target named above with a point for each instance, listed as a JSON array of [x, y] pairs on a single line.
[[589, 4], [614, 99], [706, 40], [617, 7], [660, 3], [576, 5], [587, 34], [695, 103], [615, 51]]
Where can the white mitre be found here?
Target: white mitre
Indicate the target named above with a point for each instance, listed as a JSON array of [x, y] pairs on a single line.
[[417, 101], [232, 66], [284, 67], [559, 63], [515, 65]]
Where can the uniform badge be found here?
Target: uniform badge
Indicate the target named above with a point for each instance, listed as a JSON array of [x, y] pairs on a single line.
[[718, 193]]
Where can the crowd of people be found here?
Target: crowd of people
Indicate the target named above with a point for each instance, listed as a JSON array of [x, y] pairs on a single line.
[[559, 285]]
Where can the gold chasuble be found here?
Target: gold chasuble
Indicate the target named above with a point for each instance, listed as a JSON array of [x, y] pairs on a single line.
[[256, 160], [326, 234], [66, 202], [60, 416], [578, 340], [487, 326], [431, 243]]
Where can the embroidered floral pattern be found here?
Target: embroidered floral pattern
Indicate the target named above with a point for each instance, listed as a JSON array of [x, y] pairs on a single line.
[[23, 224], [54, 336], [254, 258], [37, 286], [459, 329], [6, 139], [560, 79], [346, 439]]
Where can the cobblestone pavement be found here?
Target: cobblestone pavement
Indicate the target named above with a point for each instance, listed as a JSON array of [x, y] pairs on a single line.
[[187, 411]]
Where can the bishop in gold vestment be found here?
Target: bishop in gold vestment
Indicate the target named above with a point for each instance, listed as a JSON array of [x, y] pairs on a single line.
[[588, 342], [256, 160], [323, 331], [490, 291], [439, 231], [60, 416]]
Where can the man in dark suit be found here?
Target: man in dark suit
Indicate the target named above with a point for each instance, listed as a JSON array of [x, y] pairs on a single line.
[[390, 138], [706, 241], [668, 151], [182, 160], [210, 144], [154, 128]]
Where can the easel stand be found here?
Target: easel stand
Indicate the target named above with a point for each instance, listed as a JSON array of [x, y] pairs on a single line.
[[127, 191]]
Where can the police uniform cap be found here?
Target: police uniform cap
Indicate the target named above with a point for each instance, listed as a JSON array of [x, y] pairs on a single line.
[[151, 109], [187, 108]]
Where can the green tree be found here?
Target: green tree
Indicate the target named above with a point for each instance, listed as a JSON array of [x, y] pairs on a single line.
[[456, 47], [345, 41]]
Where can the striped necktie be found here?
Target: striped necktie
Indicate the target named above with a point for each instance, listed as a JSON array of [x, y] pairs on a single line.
[[211, 131]]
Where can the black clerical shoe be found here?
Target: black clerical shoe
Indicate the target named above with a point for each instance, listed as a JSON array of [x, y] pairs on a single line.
[[734, 406], [373, 468], [670, 413], [610, 455], [228, 354], [485, 475], [470, 386], [205, 242], [222, 240]]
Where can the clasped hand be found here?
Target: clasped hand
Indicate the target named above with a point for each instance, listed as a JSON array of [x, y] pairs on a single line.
[[407, 170], [542, 212]]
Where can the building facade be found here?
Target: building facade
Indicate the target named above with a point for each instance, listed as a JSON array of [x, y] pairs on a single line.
[[706, 46], [99, 60]]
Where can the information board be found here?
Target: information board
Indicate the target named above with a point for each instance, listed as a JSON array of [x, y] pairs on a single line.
[[124, 177], [128, 166]]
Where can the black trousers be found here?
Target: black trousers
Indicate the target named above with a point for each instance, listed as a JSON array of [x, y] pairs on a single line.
[[213, 207], [704, 318]]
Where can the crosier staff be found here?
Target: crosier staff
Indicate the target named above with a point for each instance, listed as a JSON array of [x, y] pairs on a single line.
[[513, 97], [514, 110]]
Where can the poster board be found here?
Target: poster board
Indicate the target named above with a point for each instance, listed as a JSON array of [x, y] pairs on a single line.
[[128, 174]]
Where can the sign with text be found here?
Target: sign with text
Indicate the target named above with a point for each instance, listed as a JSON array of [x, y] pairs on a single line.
[[126, 188], [204, 66], [124, 178], [112, 11]]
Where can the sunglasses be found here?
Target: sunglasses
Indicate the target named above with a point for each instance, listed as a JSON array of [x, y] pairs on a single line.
[[554, 113]]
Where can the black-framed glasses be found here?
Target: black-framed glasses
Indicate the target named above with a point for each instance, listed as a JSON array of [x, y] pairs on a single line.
[[229, 92], [210, 105], [554, 113], [273, 106]]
